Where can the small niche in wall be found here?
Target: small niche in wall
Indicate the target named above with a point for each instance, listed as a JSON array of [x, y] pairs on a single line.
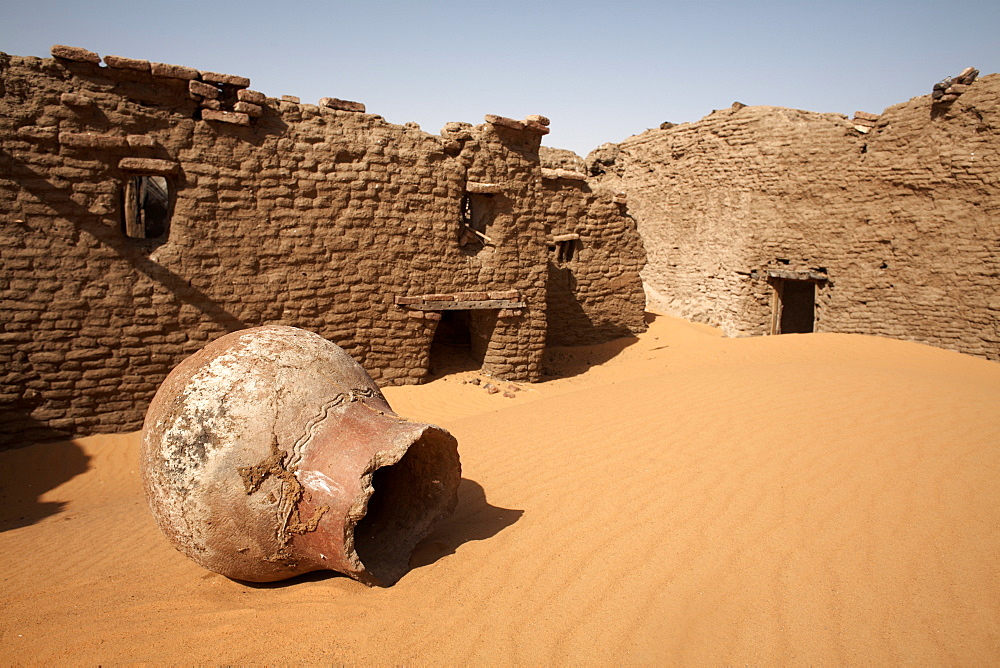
[[146, 206]]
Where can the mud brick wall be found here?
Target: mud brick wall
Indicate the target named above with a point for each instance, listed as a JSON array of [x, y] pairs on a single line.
[[317, 216], [594, 289], [898, 214]]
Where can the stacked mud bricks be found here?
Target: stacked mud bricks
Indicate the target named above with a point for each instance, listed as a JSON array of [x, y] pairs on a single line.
[[317, 216], [893, 217]]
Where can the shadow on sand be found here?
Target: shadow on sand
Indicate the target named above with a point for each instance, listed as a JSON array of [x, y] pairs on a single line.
[[474, 519], [568, 361], [29, 472]]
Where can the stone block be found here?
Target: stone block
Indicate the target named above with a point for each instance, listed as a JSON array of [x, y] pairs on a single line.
[[483, 188], [493, 119], [74, 53], [407, 300], [341, 105], [76, 100], [91, 141], [33, 132], [537, 118], [536, 127], [563, 174], [202, 89], [457, 131], [251, 96], [503, 294], [149, 165], [439, 298], [956, 89], [120, 63], [864, 115], [228, 79], [250, 109], [967, 76], [140, 141], [291, 98], [173, 71], [214, 105], [235, 118]]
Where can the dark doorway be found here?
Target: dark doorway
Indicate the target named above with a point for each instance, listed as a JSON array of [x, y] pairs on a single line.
[[460, 341], [798, 306]]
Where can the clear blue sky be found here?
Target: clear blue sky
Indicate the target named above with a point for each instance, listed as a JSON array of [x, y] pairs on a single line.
[[601, 71]]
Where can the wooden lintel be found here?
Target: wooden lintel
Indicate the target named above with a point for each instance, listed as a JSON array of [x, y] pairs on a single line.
[[466, 305], [798, 275]]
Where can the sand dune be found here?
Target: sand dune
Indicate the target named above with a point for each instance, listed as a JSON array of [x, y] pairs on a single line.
[[676, 498]]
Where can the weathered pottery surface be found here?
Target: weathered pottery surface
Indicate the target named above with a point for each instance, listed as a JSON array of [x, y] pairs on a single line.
[[271, 453]]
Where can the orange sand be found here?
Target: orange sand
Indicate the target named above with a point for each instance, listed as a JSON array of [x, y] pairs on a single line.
[[822, 499]]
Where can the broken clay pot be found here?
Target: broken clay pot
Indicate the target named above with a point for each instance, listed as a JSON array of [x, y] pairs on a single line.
[[271, 453]]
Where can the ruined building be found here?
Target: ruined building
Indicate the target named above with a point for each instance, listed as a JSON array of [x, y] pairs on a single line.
[[149, 208], [764, 220]]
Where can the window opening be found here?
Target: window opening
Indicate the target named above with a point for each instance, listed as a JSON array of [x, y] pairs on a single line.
[[476, 213], [565, 250], [147, 207]]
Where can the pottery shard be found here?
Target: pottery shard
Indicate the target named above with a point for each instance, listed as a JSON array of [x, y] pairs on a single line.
[[149, 165], [229, 79], [251, 96], [74, 53], [173, 71], [341, 105], [271, 453], [120, 63]]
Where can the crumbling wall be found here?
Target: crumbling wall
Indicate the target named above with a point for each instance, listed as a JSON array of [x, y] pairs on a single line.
[[594, 289], [891, 216], [323, 217]]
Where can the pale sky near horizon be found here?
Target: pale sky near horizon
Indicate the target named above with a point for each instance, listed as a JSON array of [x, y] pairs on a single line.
[[600, 71]]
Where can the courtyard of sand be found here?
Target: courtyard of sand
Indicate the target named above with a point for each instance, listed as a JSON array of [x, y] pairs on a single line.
[[675, 498]]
